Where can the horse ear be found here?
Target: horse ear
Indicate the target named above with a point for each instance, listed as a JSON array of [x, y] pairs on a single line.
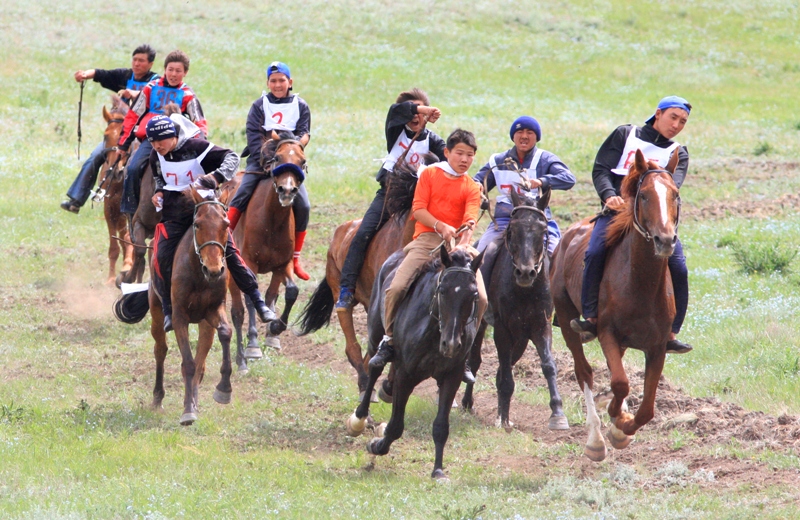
[[445, 256], [275, 136], [640, 163], [515, 200], [673, 161], [476, 263], [544, 199], [106, 114], [195, 196]]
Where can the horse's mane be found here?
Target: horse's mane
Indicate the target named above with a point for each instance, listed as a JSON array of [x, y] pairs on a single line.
[[458, 258], [269, 145], [401, 182], [622, 223]]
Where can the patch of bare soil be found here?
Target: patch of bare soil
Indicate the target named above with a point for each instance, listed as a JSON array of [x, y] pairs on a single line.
[[699, 433]]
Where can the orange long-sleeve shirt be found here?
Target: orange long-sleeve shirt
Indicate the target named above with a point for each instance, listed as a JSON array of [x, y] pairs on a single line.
[[452, 200]]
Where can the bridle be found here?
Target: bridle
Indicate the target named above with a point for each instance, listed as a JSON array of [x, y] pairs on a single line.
[[436, 301], [100, 193], [197, 248], [636, 224], [545, 243]]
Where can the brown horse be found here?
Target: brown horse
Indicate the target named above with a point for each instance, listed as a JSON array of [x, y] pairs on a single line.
[[636, 301], [199, 288], [265, 236], [110, 191], [395, 234]]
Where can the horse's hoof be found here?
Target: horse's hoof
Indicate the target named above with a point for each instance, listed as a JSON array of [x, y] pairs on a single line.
[[617, 437], [380, 430], [272, 342], [440, 476], [243, 370], [222, 397], [372, 447], [386, 398], [253, 353], [355, 426], [558, 422], [188, 419], [508, 426], [595, 453]]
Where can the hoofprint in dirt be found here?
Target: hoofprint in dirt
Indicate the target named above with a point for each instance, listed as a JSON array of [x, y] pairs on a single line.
[[690, 440]]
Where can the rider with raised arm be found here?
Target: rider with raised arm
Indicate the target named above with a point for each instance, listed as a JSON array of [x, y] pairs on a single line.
[[542, 169], [407, 116], [127, 83], [276, 110], [151, 102], [655, 140], [178, 161]]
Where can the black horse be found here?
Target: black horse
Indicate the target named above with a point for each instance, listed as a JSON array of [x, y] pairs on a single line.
[[434, 331], [515, 272]]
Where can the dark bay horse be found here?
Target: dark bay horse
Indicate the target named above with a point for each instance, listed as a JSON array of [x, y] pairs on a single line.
[[110, 191], [199, 288], [395, 234], [434, 331], [636, 303], [520, 306], [265, 236]]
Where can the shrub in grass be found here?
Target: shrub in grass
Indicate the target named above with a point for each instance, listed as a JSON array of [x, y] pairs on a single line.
[[762, 148], [726, 240], [763, 258]]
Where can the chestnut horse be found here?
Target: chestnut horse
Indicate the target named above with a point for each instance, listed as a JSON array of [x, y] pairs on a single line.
[[110, 191], [265, 236], [395, 234], [636, 302], [199, 288]]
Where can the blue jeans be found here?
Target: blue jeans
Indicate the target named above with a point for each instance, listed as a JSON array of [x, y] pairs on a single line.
[[133, 179], [594, 262], [84, 182]]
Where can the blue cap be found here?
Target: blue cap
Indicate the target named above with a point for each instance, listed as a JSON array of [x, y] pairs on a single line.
[[671, 102], [159, 128], [278, 66], [526, 123]]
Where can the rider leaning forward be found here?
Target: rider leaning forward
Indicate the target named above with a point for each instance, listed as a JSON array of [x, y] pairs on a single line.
[[445, 199], [610, 166], [407, 116], [151, 102], [177, 161], [278, 110], [127, 83]]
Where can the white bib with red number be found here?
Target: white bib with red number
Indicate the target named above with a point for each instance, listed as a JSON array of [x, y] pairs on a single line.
[[650, 151], [178, 175], [281, 116], [413, 157], [508, 179]]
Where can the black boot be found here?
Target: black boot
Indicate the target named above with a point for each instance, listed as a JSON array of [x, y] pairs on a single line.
[[384, 354], [71, 205], [676, 346], [167, 322], [585, 328], [265, 314], [468, 376]]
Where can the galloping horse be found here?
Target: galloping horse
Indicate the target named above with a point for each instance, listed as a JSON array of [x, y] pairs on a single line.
[[110, 191], [265, 236], [636, 303], [199, 287], [434, 330], [397, 232], [519, 306]]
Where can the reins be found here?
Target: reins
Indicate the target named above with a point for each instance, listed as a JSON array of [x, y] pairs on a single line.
[[197, 248], [400, 160], [433, 310]]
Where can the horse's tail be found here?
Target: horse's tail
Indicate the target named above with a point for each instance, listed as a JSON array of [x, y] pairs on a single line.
[[132, 307], [318, 310]]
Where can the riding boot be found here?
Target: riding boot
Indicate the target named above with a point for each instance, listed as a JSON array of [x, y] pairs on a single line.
[[468, 376], [346, 300], [586, 329], [676, 346], [265, 314], [299, 238], [384, 355], [71, 205]]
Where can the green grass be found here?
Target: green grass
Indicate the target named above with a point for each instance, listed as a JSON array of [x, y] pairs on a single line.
[[77, 439]]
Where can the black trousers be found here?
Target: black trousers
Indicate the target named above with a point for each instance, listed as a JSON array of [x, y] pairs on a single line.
[[373, 220]]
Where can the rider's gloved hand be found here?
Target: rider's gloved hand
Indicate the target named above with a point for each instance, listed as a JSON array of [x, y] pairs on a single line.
[[208, 181]]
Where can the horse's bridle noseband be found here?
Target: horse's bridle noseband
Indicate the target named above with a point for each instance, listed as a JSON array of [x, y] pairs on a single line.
[[435, 302], [194, 231], [545, 243], [636, 224]]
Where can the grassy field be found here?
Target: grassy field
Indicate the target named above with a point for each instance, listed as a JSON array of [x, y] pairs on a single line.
[[77, 439]]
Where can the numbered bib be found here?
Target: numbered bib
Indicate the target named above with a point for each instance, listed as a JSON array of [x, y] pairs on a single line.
[[178, 175], [281, 116], [650, 151], [506, 180], [413, 157], [135, 85], [162, 96]]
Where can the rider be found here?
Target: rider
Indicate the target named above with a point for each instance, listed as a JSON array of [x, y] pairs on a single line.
[[444, 200], [610, 166], [277, 110], [407, 116], [128, 83], [152, 100], [176, 161], [542, 169]]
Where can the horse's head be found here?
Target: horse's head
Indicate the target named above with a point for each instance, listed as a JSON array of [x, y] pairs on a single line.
[[114, 119], [654, 202], [210, 232], [456, 299], [288, 166], [526, 235]]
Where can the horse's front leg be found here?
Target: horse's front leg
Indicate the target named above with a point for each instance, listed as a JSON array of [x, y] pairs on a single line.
[[253, 350], [358, 420], [394, 429], [289, 297], [237, 316], [543, 342], [620, 387], [180, 323], [475, 361], [218, 320], [159, 349], [506, 344], [654, 365], [441, 425]]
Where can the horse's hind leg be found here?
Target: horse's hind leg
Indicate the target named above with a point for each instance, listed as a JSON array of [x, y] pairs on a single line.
[[237, 316], [475, 361], [159, 350], [253, 350], [289, 297], [222, 394], [188, 367], [441, 425], [543, 342], [352, 349]]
